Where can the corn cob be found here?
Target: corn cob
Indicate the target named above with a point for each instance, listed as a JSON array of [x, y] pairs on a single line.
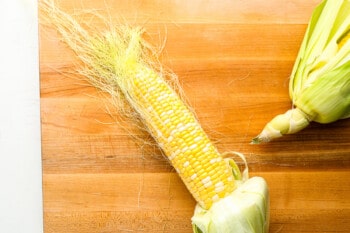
[[319, 86], [206, 174], [119, 60]]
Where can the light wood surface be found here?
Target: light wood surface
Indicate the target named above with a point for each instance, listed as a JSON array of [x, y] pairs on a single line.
[[233, 59]]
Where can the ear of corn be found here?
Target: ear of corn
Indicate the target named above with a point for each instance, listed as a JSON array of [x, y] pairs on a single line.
[[320, 81], [206, 174], [119, 60]]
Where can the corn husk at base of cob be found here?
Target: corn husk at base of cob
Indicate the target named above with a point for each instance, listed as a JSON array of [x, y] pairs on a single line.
[[119, 62], [320, 81], [245, 210]]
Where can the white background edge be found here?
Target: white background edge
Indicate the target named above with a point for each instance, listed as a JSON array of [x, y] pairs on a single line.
[[21, 206]]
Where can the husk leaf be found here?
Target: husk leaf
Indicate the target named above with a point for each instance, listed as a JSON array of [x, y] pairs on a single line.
[[319, 83]]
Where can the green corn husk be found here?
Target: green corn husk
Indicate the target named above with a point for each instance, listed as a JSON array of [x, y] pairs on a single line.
[[319, 85], [246, 210]]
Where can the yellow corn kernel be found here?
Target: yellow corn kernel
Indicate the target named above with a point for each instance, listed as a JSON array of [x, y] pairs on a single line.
[[182, 139]]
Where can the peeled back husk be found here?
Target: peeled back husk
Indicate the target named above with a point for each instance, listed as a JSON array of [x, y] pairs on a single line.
[[319, 85], [245, 210]]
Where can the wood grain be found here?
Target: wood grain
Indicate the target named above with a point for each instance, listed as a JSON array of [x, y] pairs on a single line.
[[233, 59]]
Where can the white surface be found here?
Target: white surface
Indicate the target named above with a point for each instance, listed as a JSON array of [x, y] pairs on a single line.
[[20, 150]]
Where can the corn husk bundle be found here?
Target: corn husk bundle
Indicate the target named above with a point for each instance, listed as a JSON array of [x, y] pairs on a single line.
[[319, 85], [120, 62]]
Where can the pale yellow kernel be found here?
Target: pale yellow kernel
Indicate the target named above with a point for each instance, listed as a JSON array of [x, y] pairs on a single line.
[[170, 139], [207, 182], [166, 121], [181, 130], [186, 124], [146, 95], [206, 148], [151, 89], [162, 96], [173, 130], [198, 138], [215, 197], [174, 154], [163, 114], [219, 187], [214, 160], [186, 164], [139, 75], [150, 109], [194, 146], [171, 111], [185, 149], [178, 123], [194, 176], [159, 133]]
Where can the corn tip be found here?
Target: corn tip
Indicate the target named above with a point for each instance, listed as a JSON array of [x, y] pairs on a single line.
[[256, 140]]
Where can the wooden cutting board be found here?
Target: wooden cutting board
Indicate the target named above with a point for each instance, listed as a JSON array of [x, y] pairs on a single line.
[[233, 59]]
